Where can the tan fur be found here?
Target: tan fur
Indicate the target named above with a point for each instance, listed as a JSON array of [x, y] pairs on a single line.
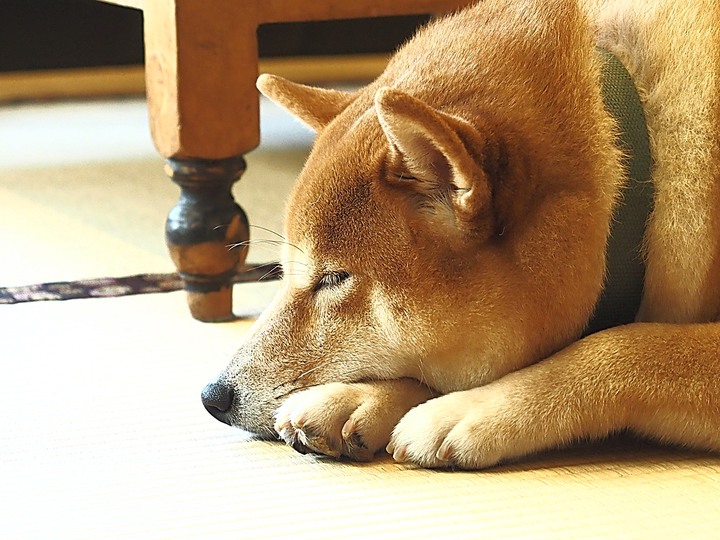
[[446, 244]]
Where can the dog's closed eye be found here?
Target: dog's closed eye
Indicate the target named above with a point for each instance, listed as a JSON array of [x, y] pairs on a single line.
[[331, 280]]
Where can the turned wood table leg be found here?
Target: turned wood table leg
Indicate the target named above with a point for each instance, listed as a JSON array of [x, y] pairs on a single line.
[[207, 233], [201, 63]]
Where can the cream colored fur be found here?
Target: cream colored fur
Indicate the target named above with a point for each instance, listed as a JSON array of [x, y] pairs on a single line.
[[446, 245]]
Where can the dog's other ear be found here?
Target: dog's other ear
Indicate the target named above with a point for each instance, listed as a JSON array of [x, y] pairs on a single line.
[[314, 106], [433, 153]]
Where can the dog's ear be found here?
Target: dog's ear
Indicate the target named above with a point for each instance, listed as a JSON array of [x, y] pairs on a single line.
[[435, 153], [314, 106]]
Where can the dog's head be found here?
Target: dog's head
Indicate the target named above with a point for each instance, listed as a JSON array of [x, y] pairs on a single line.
[[418, 245]]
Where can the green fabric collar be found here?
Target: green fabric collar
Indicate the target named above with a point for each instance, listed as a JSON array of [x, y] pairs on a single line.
[[625, 265]]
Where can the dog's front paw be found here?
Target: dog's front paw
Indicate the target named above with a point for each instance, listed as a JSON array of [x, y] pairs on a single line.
[[330, 419], [473, 429], [353, 420]]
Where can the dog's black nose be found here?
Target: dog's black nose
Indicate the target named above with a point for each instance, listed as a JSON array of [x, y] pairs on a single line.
[[217, 398]]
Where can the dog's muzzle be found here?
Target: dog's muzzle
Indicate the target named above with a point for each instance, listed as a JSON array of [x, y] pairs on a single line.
[[217, 397]]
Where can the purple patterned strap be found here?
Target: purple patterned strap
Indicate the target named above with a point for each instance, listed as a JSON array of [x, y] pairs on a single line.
[[121, 286]]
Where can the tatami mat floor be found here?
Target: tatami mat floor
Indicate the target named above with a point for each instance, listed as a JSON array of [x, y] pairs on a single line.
[[102, 434]]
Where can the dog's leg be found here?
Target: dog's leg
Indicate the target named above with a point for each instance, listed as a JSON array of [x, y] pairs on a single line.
[[661, 381], [353, 420]]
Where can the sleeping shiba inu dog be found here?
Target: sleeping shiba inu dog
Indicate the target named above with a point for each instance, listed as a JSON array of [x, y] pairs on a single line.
[[448, 245]]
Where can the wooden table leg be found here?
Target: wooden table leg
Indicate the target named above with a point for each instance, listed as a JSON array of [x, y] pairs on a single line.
[[207, 233], [201, 65]]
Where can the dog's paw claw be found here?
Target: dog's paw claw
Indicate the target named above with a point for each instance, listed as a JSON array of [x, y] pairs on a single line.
[[399, 454], [445, 453], [355, 446], [349, 429]]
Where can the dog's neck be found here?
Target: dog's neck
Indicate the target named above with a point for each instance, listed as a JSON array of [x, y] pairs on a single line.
[[625, 266]]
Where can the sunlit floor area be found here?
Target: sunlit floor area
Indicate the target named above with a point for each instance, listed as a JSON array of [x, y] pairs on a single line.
[[102, 433]]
